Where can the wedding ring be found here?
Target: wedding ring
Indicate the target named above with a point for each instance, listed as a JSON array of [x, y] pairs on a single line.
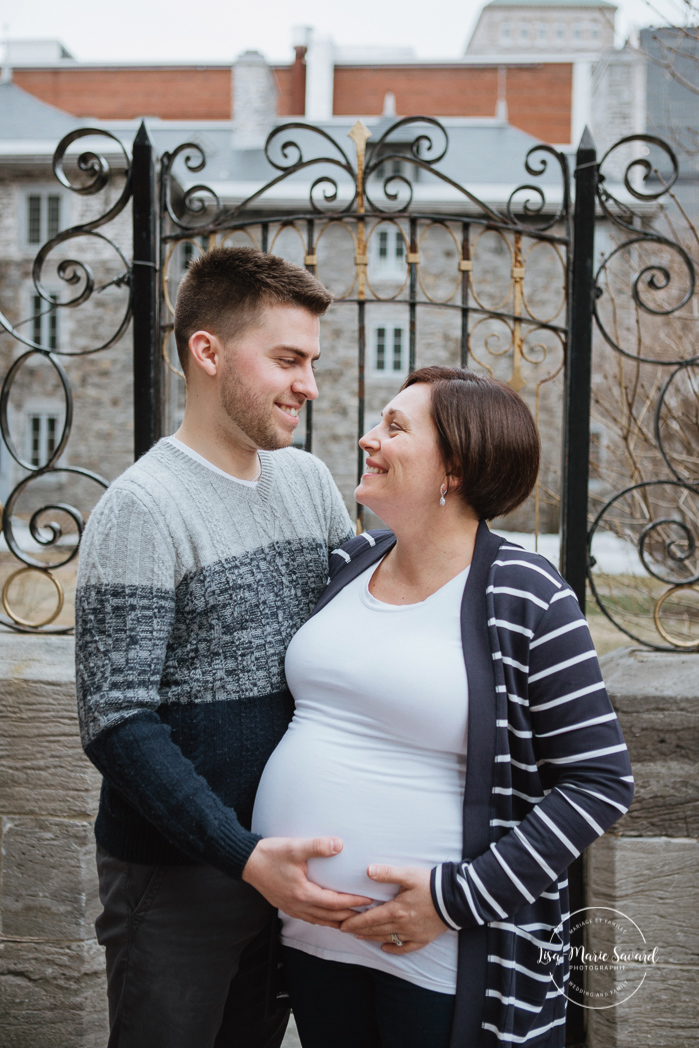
[[395, 940]]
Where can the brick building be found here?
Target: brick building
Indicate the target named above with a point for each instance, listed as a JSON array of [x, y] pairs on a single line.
[[496, 102]]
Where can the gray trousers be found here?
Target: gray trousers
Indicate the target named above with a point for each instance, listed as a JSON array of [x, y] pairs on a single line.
[[188, 955]]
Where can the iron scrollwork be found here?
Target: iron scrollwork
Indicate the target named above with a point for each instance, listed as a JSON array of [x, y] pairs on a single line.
[[658, 605], [57, 546]]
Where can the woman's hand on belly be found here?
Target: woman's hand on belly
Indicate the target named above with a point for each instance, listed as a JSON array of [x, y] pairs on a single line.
[[410, 916]]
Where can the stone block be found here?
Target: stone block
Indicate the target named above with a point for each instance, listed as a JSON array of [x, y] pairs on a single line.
[[666, 801], [49, 880], [43, 770], [655, 883], [52, 995], [661, 1014]]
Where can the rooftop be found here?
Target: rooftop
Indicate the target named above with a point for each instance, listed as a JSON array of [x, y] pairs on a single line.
[[550, 3]]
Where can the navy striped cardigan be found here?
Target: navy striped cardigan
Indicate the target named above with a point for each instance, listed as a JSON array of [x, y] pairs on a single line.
[[547, 772]]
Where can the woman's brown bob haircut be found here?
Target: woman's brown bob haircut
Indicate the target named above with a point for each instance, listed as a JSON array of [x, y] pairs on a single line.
[[487, 438], [225, 291]]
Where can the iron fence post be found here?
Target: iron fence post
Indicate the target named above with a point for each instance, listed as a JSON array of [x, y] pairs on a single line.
[[147, 364], [578, 374], [575, 468]]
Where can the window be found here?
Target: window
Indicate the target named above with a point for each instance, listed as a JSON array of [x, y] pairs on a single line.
[[390, 167], [44, 322], [389, 252], [390, 350], [505, 33], [542, 31], [43, 433], [560, 31], [524, 31], [577, 31], [594, 31], [43, 217]]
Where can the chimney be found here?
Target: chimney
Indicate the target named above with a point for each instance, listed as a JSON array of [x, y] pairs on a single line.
[[320, 73], [501, 105], [254, 101], [6, 71], [301, 37]]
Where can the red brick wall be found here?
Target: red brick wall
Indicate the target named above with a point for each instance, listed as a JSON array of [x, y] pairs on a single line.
[[186, 93], [538, 97], [282, 75]]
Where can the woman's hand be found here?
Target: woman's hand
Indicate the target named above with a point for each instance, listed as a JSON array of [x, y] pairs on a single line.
[[411, 916]]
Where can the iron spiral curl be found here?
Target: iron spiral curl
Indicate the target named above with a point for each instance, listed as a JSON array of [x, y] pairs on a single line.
[[191, 204], [93, 176], [659, 517], [532, 210]]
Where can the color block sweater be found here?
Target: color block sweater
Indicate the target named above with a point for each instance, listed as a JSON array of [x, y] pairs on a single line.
[[189, 589], [547, 772]]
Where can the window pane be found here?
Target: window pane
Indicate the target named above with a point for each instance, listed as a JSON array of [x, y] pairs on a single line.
[[37, 303], [398, 349], [53, 327], [381, 349], [400, 246], [34, 219], [54, 215], [395, 167], [35, 436], [51, 429], [383, 244]]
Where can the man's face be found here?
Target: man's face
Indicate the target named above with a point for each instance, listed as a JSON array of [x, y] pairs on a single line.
[[267, 375]]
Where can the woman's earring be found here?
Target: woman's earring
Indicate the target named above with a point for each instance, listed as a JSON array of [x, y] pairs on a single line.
[[443, 495]]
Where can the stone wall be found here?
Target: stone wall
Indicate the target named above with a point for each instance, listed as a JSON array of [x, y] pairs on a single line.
[[51, 968], [52, 991], [647, 866]]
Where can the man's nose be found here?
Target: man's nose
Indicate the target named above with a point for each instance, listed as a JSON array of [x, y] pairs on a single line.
[[306, 385]]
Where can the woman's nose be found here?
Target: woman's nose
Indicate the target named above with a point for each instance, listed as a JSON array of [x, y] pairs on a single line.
[[369, 440]]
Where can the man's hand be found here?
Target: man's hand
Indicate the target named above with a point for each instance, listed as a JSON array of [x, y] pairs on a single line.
[[411, 915], [277, 868]]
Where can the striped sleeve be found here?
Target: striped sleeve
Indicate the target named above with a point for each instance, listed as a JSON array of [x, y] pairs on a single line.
[[576, 783]]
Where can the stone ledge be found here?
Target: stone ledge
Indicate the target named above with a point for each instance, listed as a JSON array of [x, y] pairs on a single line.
[[37, 658], [49, 884], [52, 996]]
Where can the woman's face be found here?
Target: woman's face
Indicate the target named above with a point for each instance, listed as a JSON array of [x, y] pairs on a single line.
[[404, 469]]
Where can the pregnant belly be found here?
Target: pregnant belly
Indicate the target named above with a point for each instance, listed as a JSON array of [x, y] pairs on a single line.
[[387, 802]]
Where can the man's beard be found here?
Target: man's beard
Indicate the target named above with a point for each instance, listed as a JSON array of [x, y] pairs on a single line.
[[252, 413]]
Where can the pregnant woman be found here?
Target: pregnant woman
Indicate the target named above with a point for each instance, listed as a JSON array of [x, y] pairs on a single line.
[[452, 728]]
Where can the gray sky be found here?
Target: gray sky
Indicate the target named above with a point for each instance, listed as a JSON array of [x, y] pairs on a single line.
[[214, 30]]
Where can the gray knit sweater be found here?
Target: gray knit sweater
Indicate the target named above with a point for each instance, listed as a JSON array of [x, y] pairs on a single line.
[[189, 589]]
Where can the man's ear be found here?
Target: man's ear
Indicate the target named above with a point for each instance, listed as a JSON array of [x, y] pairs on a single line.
[[205, 352]]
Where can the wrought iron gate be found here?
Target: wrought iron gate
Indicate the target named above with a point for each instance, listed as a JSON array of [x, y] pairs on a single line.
[[362, 204], [360, 210]]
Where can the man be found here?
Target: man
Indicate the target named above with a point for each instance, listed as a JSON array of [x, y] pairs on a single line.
[[197, 566]]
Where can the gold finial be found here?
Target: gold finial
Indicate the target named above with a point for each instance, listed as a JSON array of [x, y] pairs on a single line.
[[359, 135]]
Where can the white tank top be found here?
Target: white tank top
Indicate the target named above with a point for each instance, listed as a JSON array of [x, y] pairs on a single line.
[[375, 755]]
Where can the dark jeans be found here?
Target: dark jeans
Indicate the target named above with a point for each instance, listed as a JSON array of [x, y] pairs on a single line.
[[349, 1006], [188, 952]]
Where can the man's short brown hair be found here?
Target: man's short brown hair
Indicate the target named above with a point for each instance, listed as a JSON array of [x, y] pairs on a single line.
[[487, 438], [225, 291]]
